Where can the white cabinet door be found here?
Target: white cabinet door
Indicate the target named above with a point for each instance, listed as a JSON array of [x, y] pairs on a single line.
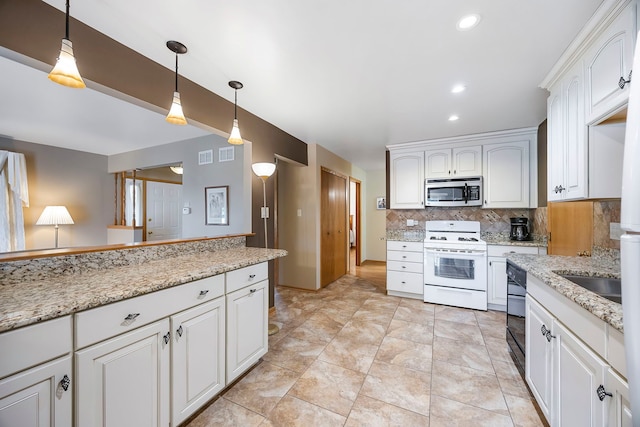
[[539, 360], [617, 403], [406, 180], [575, 157], [506, 175], [438, 163], [555, 144], [578, 374], [124, 381], [247, 328], [37, 397], [197, 358], [497, 283], [467, 161], [609, 60]]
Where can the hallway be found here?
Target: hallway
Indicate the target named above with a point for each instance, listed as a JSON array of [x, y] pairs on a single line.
[[349, 355]]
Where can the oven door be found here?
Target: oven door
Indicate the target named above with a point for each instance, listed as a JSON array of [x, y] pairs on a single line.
[[456, 269]]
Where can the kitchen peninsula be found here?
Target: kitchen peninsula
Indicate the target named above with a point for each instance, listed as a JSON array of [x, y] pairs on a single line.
[[175, 321]]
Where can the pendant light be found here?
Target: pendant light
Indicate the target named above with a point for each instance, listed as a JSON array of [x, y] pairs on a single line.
[[235, 137], [176, 116], [66, 71]]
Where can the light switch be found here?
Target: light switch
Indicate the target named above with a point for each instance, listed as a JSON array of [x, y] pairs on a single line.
[[299, 212], [186, 211]]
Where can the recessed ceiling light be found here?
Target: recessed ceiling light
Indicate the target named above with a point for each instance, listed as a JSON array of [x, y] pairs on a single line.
[[467, 22], [458, 88], [453, 118]]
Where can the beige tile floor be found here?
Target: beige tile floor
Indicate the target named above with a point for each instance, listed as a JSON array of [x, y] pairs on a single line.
[[349, 355]]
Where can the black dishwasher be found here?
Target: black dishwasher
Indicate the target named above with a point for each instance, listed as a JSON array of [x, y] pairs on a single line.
[[516, 293]]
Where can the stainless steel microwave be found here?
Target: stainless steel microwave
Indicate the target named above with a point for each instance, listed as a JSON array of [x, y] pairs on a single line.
[[453, 192]]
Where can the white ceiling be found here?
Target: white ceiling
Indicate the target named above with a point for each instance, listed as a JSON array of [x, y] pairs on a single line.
[[352, 76]]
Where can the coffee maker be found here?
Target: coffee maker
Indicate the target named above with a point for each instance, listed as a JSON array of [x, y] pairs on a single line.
[[519, 229]]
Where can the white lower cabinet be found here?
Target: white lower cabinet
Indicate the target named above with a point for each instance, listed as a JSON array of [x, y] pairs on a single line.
[[247, 327], [197, 358], [38, 397], [36, 375], [124, 381], [573, 385], [405, 266], [497, 272]]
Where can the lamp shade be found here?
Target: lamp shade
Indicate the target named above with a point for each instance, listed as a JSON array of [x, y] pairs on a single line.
[[66, 71], [263, 170], [54, 215], [177, 169], [176, 116], [234, 137]]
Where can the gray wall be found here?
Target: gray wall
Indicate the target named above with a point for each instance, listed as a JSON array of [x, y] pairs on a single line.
[[236, 174], [76, 179]]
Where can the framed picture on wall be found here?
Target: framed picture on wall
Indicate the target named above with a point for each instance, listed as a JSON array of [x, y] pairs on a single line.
[[381, 203], [216, 205]]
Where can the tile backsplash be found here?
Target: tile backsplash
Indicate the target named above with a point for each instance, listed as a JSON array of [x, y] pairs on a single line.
[[491, 220]]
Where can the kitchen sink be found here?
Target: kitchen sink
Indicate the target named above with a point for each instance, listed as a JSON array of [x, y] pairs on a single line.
[[606, 287]]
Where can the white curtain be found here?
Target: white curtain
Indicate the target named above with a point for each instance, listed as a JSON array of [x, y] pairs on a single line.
[[14, 195]]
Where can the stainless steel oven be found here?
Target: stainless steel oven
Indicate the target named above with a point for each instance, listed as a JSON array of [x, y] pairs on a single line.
[[516, 311]]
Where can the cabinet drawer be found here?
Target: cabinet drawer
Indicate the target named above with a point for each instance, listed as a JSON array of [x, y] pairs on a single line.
[[110, 320], [394, 245], [409, 267], [405, 256], [238, 279], [500, 250], [405, 282], [29, 346]]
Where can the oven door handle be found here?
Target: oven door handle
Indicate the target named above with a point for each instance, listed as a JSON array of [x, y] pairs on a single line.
[[463, 254]]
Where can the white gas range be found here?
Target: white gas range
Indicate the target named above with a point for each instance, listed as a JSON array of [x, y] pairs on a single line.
[[455, 264]]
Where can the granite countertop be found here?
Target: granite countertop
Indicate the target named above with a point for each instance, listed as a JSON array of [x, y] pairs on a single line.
[[548, 267], [507, 242], [30, 302]]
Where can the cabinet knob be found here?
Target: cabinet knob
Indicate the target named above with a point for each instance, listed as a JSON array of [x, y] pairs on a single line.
[[65, 381], [252, 276], [203, 293], [179, 331], [546, 333], [404, 283], [622, 83], [602, 393], [167, 337], [251, 291]]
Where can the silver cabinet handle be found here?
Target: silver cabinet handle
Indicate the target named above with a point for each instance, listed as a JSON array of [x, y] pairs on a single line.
[[132, 316], [65, 381], [602, 393]]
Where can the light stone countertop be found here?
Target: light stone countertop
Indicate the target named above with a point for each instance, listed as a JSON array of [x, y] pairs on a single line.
[[548, 267], [507, 242], [34, 301]]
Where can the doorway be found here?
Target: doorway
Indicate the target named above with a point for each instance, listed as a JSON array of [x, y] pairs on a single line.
[[334, 236]]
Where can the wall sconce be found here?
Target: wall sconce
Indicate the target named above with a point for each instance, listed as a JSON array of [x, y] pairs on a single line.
[[176, 116], [66, 71], [235, 137], [55, 215]]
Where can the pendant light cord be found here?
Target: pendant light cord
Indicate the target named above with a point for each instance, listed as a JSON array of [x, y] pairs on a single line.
[[176, 72], [66, 34], [235, 106]]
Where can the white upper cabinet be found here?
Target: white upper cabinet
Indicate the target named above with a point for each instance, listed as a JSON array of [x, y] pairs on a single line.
[[566, 139], [459, 162], [609, 59], [506, 175], [407, 180]]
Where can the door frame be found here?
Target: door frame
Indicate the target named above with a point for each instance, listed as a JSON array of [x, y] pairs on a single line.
[[358, 215]]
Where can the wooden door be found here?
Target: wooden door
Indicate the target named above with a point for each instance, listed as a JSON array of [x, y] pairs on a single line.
[[333, 227], [570, 227]]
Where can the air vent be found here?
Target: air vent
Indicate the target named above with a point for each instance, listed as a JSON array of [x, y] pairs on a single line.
[[205, 157], [225, 154]]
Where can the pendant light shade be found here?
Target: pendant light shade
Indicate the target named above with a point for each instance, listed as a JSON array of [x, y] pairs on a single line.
[[234, 137], [66, 71], [176, 116]]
